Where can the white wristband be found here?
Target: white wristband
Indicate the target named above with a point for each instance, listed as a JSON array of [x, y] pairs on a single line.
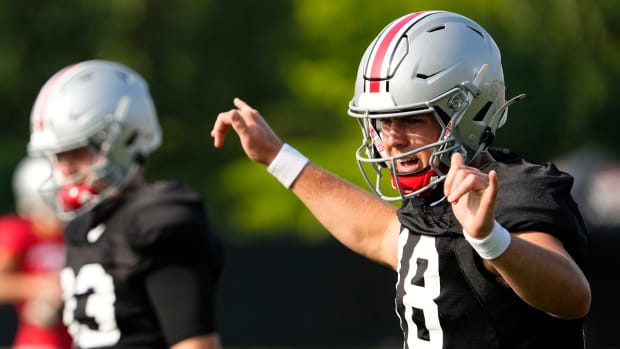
[[287, 165], [493, 245]]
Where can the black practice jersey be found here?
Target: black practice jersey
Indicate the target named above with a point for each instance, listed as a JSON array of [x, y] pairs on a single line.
[[444, 296], [141, 271]]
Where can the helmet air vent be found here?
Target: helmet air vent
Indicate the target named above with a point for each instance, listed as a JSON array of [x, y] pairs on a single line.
[[426, 76], [131, 139], [476, 31], [434, 29]]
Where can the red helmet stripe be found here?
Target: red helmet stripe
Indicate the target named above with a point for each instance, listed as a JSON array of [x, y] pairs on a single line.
[[40, 118], [378, 65]]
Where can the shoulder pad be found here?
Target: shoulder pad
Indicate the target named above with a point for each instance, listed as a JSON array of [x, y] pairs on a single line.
[[165, 213]]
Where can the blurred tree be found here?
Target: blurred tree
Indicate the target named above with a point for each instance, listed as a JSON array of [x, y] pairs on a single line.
[[296, 61]]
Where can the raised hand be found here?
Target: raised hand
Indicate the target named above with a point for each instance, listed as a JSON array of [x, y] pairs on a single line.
[[258, 140], [472, 194]]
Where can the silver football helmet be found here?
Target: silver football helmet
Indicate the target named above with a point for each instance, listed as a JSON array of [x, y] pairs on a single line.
[[438, 63], [106, 107], [30, 178]]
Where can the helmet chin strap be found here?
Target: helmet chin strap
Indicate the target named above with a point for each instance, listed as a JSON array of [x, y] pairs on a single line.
[[73, 197], [411, 182]]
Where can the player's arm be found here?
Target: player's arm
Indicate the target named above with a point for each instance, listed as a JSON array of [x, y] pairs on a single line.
[[182, 283], [362, 222], [14, 285], [542, 273], [17, 286], [211, 341], [534, 264], [40, 292], [358, 219], [183, 297]]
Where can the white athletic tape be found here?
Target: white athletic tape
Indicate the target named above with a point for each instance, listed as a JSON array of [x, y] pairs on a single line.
[[493, 245], [287, 165]]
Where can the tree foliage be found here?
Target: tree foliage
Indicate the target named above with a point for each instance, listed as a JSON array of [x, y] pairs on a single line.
[[296, 62]]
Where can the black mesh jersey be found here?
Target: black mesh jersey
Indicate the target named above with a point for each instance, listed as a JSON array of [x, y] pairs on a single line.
[[444, 296], [141, 271]]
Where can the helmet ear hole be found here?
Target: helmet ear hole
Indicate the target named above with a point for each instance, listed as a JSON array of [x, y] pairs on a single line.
[[131, 139], [483, 111]]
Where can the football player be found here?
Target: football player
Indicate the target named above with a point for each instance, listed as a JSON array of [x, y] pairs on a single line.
[[32, 252], [490, 249], [142, 263]]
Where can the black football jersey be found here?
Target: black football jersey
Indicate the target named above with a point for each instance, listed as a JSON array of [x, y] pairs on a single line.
[[141, 271], [444, 296]]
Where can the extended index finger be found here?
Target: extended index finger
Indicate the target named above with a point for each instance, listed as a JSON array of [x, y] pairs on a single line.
[[456, 161], [490, 195], [220, 127], [241, 104]]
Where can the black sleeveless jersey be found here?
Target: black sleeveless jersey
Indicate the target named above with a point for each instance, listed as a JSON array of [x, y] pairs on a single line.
[[141, 271], [444, 296]]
